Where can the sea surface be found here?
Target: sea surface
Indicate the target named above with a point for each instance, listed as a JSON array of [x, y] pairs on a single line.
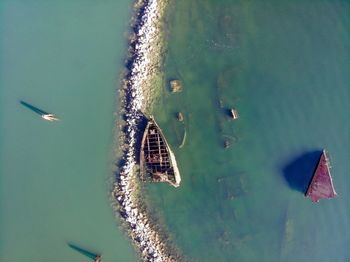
[[284, 65], [64, 57]]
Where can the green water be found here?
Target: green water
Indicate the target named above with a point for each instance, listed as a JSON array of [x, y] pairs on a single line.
[[64, 57], [285, 66]]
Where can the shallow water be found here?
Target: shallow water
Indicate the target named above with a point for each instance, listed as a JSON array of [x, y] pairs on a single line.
[[63, 57], [284, 66]]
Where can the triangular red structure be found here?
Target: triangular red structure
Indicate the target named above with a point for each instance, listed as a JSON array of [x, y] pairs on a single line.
[[321, 185]]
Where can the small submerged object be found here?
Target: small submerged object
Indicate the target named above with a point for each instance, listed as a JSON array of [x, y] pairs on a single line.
[[179, 116], [156, 157], [49, 117], [321, 185], [227, 144], [98, 258], [228, 141], [183, 139], [175, 86]]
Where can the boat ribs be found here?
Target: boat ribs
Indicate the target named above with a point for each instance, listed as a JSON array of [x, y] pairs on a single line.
[[157, 158]]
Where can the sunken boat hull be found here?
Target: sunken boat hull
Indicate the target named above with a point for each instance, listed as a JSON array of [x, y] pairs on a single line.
[[157, 160], [321, 185]]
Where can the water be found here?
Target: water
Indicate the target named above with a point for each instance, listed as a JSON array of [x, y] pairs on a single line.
[[284, 65], [63, 57]]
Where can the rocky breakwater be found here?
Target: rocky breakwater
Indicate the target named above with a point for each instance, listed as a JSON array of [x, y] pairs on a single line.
[[143, 66]]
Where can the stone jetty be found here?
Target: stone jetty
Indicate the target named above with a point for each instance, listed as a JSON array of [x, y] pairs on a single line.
[[146, 46]]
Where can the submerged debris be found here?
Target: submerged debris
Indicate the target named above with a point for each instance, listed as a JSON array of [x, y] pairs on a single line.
[[183, 139], [227, 144], [179, 116], [175, 86]]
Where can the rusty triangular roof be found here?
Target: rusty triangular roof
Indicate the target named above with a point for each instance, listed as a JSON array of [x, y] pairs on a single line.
[[321, 185]]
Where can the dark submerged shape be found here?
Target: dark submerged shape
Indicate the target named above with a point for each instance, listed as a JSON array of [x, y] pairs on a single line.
[[156, 157], [321, 185]]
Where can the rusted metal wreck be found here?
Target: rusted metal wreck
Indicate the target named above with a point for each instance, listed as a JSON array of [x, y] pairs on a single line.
[[156, 159], [321, 185]]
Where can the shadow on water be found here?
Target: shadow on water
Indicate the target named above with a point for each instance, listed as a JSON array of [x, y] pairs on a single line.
[[299, 172], [228, 112], [33, 108], [83, 251]]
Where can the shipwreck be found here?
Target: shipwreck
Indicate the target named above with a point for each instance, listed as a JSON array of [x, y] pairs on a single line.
[[157, 161], [321, 184]]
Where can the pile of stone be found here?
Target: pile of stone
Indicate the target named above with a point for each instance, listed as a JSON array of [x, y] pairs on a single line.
[[145, 53]]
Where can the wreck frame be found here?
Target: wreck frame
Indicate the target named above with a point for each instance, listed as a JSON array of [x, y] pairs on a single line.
[[156, 158]]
